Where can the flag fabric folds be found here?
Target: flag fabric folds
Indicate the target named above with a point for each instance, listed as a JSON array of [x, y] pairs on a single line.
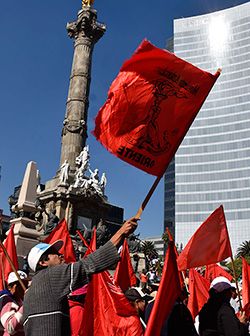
[[61, 232], [198, 289], [245, 283], [124, 275], [209, 244], [168, 292], [10, 246], [150, 106], [107, 310], [212, 271]]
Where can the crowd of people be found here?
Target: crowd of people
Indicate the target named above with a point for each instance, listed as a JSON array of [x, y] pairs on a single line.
[[53, 302]]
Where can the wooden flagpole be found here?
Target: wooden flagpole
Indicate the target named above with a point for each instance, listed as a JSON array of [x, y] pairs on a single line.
[[12, 266], [148, 196]]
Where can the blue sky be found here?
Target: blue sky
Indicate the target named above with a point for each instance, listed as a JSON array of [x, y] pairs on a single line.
[[35, 63]]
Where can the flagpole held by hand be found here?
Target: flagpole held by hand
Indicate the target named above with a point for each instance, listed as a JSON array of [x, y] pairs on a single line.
[[12, 266]]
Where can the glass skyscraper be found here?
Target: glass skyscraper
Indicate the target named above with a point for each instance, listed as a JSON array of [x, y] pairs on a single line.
[[212, 165]]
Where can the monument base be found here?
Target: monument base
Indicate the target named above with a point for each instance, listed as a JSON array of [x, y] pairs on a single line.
[[25, 233]]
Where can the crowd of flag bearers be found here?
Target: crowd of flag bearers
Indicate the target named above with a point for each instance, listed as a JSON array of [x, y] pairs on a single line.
[[195, 296], [150, 107]]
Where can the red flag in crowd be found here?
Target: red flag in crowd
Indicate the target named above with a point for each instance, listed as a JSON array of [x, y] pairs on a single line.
[[92, 244], [10, 246], [209, 244], [150, 107], [181, 274], [107, 311], [198, 289], [124, 274], [169, 290], [245, 282], [61, 232], [85, 243], [212, 271]]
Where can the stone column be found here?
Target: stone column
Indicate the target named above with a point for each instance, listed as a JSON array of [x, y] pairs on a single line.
[[86, 31]]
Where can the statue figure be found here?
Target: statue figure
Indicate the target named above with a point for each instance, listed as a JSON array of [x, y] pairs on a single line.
[[53, 220], [83, 158], [64, 172], [103, 182], [102, 233], [87, 2], [134, 243], [38, 189], [94, 181]]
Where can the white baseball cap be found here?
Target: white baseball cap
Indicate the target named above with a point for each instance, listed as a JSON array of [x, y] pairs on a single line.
[[37, 251], [13, 278], [220, 284]]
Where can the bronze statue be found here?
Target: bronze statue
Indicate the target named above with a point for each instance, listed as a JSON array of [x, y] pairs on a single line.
[[87, 2]]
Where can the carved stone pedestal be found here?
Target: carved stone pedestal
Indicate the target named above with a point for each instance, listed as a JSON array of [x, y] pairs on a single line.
[[26, 235]]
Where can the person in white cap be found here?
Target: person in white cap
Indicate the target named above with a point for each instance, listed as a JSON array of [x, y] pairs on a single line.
[[217, 316], [46, 308], [11, 305]]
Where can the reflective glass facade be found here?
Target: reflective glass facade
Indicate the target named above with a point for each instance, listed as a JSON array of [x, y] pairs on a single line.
[[212, 165]]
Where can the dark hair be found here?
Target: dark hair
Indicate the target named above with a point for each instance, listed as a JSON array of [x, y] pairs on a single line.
[[45, 257]]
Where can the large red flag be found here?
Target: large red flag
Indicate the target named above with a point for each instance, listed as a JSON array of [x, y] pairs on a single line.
[[245, 282], [124, 274], [198, 289], [169, 290], [61, 232], [181, 274], [107, 311], [150, 107], [10, 246], [213, 271], [209, 244]]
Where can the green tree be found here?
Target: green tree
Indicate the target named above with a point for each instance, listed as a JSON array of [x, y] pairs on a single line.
[[149, 251], [238, 266], [243, 250]]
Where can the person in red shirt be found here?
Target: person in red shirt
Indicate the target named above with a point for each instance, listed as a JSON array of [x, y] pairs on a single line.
[[76, 309]]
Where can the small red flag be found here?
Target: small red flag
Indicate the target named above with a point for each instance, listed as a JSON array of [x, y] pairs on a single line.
[[124, 274], [107, 311], [169, 290], [198, 289], [92, 243], [209, 244], [61, 232], [245, 282], [213, 271], [10, 246], [150, 107]]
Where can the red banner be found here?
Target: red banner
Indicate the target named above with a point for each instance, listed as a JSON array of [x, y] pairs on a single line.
[[150, 107], [209, 244]]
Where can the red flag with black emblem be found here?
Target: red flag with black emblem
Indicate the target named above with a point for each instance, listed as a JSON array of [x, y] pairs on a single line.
[[150, 107]]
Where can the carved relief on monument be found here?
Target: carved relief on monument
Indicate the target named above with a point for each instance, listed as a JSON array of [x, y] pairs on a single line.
[[89, 185]]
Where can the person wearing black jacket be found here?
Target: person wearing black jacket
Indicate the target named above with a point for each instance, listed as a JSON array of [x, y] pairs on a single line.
[[217, 316]]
